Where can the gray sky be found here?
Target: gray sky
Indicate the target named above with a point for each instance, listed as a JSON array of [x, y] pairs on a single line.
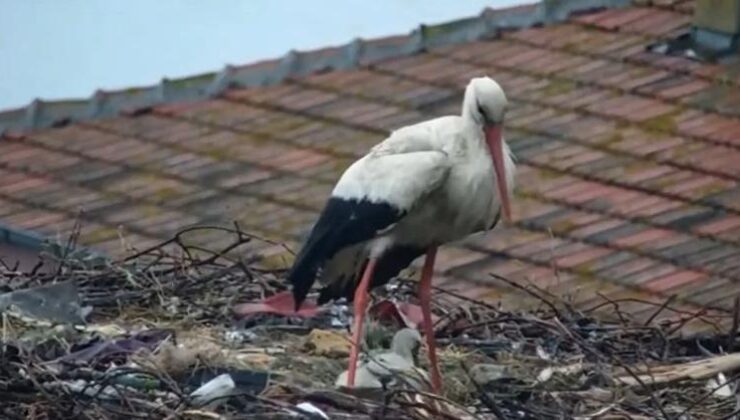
[[55, 49]]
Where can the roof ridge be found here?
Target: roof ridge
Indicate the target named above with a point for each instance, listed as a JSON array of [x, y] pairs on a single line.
[[41, 114]]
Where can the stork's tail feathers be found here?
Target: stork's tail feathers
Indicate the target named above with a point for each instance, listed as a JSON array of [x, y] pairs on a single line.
[[343, 223], [388, 266], [304, 272], [306, 269]]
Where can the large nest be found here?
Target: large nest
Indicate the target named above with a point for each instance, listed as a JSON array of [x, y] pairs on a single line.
[[135, 338]]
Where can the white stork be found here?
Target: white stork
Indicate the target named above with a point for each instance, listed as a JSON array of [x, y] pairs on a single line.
[[425, 185]]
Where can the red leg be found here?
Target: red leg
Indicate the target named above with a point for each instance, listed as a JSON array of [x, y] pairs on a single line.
[[360, 305], [425, 298]]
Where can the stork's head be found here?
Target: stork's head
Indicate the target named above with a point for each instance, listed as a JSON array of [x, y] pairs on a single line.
[[406, 343], [485, 101], [485, 105]]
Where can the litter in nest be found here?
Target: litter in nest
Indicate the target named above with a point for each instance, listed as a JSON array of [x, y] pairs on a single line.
[[162, 341]]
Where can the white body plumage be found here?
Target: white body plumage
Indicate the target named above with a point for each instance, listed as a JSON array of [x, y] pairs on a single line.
[[425, 185]]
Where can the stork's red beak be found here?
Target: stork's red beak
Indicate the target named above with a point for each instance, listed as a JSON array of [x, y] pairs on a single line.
[[496, 147]]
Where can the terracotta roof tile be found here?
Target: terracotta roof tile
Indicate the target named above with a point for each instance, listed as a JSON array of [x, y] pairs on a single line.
[[627, 183], [658, 23], [674, 280]]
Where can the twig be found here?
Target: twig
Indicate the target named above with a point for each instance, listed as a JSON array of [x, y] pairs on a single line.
[[708, 394], [660, 309], [688, 319], [527, 290], [615, 304], [484, 397], [650, 392], [455, 295]]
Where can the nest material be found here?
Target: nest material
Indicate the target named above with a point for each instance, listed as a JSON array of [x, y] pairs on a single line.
[[552, 362]]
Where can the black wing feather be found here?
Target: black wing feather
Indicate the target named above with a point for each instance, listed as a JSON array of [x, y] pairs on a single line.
[[388, 266], [342, 223]]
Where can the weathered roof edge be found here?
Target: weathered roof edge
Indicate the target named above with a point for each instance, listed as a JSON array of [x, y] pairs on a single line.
[[41, 114]]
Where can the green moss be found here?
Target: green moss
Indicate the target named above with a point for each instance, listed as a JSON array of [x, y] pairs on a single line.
[[277, 126], [547, 173], [710, 189], [150, 211], [444, 28], [562, 226], [186, 81], [571, 47], [661, 182], [256, 139], [216, 153], [725, 79], [635, 166], [284, 225], [211, 116], [613, 138], [680, 150], [276, 261], [622, 124], [164, 193], [99, 234], [558, 87], [521, 193], [584, 270], [662, 123], [339, 166], [149, 176], [641, 71], [584, 276], [110, 195]]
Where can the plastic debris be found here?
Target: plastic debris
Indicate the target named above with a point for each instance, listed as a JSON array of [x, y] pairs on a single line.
[[538, 363], [312, 409], [542, 353], [213, 392], [720, 387], [239, 336], [107, 351], [57, 303], [245, 380]]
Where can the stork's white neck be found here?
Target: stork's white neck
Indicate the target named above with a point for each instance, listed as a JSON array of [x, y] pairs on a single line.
[[470, 109]]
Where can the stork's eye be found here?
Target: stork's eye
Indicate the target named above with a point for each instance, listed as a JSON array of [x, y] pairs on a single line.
[[483, 113]]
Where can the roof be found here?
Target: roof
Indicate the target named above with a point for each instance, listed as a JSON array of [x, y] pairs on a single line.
[[627, 183]]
